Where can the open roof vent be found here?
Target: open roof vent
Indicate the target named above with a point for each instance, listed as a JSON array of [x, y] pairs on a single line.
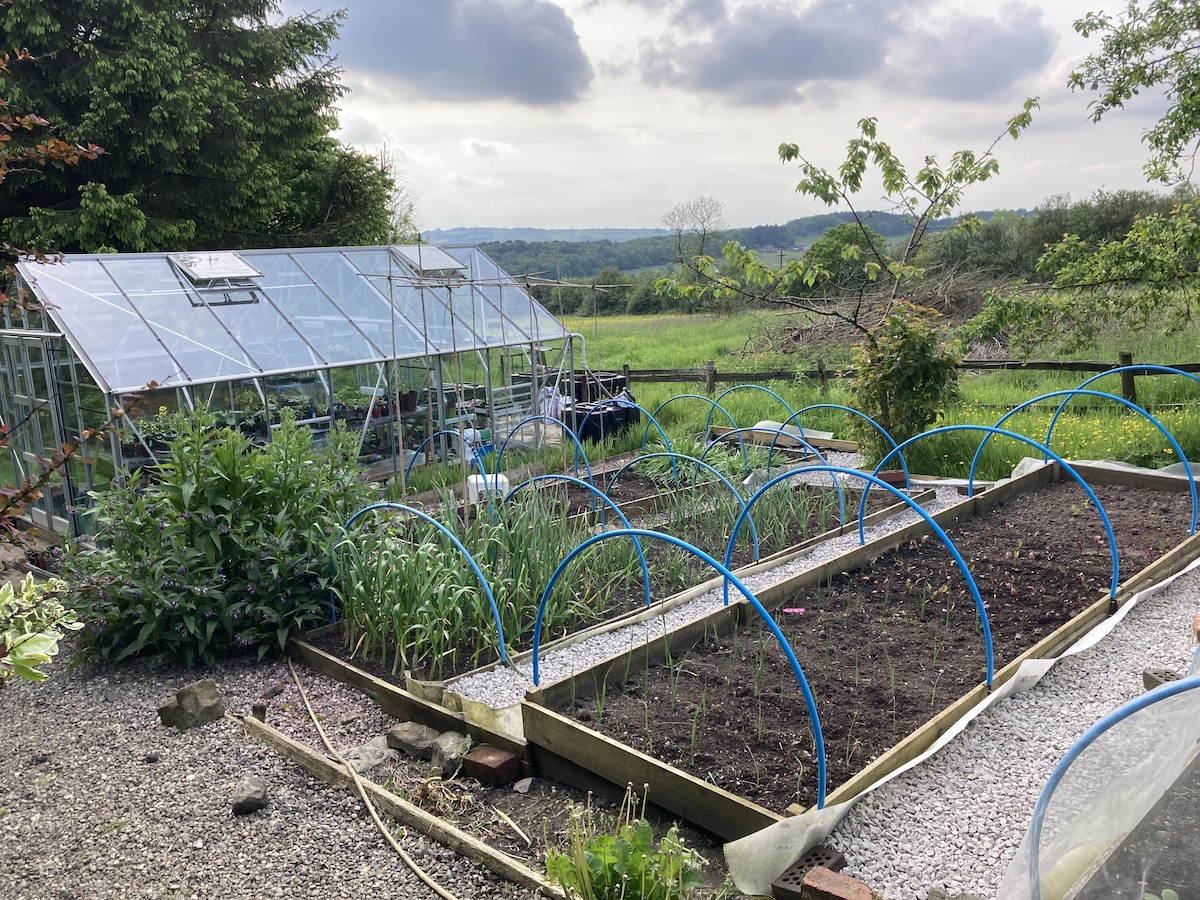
[[429, 261], [221, 278]]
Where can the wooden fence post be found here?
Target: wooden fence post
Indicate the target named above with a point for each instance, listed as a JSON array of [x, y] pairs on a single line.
[[710, 376], [1128, 389], [822, 377], [625, 374]]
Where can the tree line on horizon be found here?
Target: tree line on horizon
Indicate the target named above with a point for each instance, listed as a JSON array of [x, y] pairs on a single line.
[[619, 278]]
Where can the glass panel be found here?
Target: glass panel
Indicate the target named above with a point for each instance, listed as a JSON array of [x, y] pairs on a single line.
[[509, 296], [336, 274], [191, 334], [121, 351]]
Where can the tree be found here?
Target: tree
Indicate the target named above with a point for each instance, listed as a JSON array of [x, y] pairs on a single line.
[[1155, 45], [1149, 275], [695, 224], [842, 252], [902, 347], [217, 123]]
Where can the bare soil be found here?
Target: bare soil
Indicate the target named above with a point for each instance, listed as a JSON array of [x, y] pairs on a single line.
[[885, 647]]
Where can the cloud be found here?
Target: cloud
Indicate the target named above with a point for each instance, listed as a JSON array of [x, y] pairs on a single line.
[[764, 54], [526, 51], [477, 147], [637, 137], [973, 57], [458, 179]]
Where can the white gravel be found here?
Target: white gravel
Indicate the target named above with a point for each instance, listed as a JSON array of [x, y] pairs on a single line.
[[501, 686], [84, 814], [956, 822]]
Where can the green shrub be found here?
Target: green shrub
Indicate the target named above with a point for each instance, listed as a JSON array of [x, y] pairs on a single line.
[[624, 865], [905, 376], [229, 549], [32, 621]]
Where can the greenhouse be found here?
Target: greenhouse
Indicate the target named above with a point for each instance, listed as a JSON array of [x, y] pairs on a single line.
[[396, 343]]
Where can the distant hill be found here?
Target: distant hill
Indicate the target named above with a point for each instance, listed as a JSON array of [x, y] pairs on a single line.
[[544, 251], [537, 235]]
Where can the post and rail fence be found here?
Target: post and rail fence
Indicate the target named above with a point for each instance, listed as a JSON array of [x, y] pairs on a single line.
[[710, 376]]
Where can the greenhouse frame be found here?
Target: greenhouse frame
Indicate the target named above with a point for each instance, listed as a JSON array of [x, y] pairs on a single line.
[[398, 343]]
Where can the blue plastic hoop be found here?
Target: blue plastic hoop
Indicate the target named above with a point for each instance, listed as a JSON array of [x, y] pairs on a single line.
[[809, 700]]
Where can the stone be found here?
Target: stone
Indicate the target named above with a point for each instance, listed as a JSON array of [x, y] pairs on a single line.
[[413, 738], [824, 884], [194, 705], [371, 754], [1153, 678], [523, 786], [448, 750], [491, 765], [250, 795], [259, 711]]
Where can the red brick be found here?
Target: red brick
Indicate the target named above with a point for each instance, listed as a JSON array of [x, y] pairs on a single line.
[[822, 884], [491, 765]]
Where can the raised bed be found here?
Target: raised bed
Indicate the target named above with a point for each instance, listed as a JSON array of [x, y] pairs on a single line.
[[883, 691]]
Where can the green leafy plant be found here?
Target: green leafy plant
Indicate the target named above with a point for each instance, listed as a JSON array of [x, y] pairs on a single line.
[[905, 375], [230, 550], [623, 865], [32, 622]]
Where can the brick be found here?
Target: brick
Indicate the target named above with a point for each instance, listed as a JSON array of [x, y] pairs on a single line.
[[788, 885], [822, 884], [491, 765], [1196, 629]]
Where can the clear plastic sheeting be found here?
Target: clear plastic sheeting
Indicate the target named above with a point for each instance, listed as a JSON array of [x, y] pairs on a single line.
[[1119, 817]]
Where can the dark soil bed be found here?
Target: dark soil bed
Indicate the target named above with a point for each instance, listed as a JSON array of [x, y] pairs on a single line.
[[884, 648]]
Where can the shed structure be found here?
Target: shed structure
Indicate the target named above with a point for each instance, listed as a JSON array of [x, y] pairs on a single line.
[[398, 342]]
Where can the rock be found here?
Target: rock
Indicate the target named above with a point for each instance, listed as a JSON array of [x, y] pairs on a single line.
[[194, 705], [259, 711], [371, 754], [523, 786], [250, 795], [448, 751], [413, 738], [151, 758]]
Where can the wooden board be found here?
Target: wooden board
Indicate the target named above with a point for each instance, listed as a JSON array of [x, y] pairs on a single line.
[[396, 701], [764, 437], [720, 812], [412, 816]]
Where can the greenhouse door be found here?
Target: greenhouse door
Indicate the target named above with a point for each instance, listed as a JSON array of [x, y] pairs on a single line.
[[30, 409]]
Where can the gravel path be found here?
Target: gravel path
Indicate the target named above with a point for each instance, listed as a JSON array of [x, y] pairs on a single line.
[[502, 686], [99, 800], [956, 822]]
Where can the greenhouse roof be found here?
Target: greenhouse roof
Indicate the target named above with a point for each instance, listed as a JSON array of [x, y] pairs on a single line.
[[192, 318]]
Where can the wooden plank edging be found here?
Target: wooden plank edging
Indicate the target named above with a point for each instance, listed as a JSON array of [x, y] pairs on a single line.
[[400, 809], [402, 704], [712, 808]]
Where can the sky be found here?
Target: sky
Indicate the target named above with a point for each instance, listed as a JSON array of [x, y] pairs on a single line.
[[608, 113]]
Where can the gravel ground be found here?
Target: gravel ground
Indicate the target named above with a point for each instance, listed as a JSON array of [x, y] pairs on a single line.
[[956, 822], [99, 800]]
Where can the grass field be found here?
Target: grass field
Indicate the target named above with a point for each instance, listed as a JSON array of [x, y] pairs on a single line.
[[1090, 429]]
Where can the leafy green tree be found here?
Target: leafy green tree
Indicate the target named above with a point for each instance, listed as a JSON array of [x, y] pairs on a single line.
[[845, 253], [904, 347], [1151, 45], [1148, 274], [216, 117]]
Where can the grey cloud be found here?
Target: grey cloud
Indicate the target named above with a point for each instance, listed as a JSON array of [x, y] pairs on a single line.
[[764, 54], [974, 57], [465, 50]]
